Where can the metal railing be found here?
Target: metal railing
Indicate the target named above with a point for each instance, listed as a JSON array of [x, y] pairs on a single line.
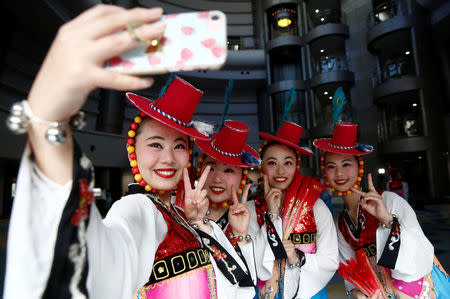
[[386, 11], [331, 64], [400, 67]]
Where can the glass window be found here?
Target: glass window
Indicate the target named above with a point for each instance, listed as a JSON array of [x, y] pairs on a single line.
[[323, 12], [327, 110], [285, 64], [404, 119], [234, 43], [296, 114], [282, 21]]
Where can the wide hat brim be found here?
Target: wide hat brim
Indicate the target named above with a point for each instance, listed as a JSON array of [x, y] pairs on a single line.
[[206, 147], [143, 104], [303, 150], [324, 144]]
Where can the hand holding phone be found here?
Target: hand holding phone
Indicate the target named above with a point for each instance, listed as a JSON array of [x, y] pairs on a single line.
[[196, 40]]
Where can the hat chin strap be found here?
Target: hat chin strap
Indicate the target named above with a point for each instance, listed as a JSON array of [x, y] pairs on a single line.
[[358, 179]]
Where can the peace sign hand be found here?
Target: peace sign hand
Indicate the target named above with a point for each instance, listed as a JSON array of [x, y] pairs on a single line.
[[195, 201], [373, 202], [239, 214], [272, 196]]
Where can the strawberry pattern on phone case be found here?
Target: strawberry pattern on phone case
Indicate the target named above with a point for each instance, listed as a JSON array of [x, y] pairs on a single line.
[[191, 40]]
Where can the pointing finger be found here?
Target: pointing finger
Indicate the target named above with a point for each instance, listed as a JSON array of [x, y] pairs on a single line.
[[370, 183]]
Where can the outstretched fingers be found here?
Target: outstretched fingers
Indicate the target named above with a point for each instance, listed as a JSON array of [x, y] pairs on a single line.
[[186, 180], [203, 177], [245, 193], [112, 80], [120, 42], [234, 197]]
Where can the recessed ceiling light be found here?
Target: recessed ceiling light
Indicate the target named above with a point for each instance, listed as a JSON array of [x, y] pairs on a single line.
[[330, 97], [322, 50], [326, 57], [420, 157], [414, 104], [407, 52], [381, 171], [322, 19], [317, 11], [325, 92]]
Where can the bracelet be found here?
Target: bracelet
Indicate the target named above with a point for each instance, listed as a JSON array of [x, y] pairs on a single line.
[[301, 259], [294, 265], [21, 115], [239, 238], [394, 217], [195, 225]]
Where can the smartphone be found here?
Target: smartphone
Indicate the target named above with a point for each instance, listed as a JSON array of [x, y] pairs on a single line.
[[191, 41]]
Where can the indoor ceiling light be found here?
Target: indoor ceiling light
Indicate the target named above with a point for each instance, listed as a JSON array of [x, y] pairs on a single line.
[[407, 52], [317, 11], [322, 50], [284, 22], [330, 97], [414, 104], [325, 92], [322, 19]]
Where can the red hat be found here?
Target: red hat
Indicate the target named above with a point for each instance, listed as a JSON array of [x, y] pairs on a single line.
[[289, 134], [174, 108], [343, 141], [228, 146]]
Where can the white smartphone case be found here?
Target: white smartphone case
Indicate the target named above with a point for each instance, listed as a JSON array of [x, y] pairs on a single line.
[[191, 41]]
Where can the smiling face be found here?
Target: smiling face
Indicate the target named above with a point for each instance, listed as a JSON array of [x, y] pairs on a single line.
[[162, 153], [341, 171], [279, 164], [220, 179]]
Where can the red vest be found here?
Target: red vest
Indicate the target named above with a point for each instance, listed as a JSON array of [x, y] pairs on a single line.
[[178, 238], [367, 237], [307, 223]]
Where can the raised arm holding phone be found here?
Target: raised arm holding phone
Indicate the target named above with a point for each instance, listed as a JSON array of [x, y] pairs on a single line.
[[146, 247]]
